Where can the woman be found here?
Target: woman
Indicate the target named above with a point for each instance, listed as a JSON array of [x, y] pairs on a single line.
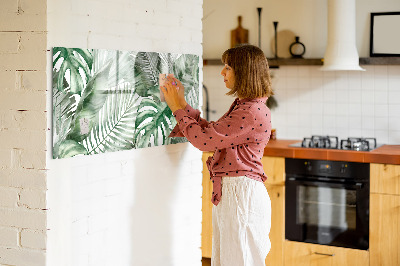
[[242, 208]]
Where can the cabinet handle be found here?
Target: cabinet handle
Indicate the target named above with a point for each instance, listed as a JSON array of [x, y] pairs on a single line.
[[325, 254]]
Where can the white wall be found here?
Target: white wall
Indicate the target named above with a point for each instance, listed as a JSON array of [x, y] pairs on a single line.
[[137, 207], [23, 133], [311, 102]]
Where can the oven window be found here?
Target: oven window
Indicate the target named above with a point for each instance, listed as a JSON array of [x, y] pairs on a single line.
[[328, 207]]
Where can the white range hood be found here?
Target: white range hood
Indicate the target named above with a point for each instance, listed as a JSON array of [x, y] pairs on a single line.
[[341, 51]]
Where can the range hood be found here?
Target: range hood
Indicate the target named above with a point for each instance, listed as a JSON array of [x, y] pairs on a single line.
[[341, 51]]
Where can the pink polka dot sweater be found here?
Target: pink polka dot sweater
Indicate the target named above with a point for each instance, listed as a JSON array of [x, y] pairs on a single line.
[[238, 139]]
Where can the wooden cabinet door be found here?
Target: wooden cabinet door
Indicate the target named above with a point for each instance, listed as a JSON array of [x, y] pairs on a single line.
[[206, 232], [384, 236], [274, 168], [277, 233], [305, 254], [385, 178]]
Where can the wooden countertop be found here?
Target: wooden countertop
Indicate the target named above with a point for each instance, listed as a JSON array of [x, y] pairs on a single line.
[[389, 154]]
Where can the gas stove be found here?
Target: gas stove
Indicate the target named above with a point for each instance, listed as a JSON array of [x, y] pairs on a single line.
[[332, 142]]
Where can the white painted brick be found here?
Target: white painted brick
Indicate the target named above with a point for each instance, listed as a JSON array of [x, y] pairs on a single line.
[[168, 19], [106, 12], [31, 80], [98, 222], [9, 42], [8, 6], [33, 199], [23, 178], [189, 47], [33, 239], [79, 228], [17, 256], [114, 186], [191, 23], [7, 80], [179, 7], [32, 120], [103, 39], [8, 197], [26, 61], [5, 158], [23, 218], [8, 237], [153, 32], [23, 139], [132, 42], [149, 6], [16, 158], [134, 17], [23, 100], [23, 22], [109, 27], [197, 10], [33, 7], [196, 37], [33, 159]]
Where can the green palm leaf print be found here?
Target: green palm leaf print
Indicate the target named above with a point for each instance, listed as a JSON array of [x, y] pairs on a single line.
[[109, 100]]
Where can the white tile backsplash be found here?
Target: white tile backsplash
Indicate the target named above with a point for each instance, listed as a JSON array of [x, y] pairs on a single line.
[[343, 103]]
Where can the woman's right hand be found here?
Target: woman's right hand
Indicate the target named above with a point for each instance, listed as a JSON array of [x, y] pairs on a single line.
[[181, 92]]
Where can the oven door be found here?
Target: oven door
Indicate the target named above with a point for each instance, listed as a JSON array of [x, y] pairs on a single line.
[[327, 213]]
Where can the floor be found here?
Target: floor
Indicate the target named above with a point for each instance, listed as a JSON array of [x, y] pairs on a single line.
[[206, 261]]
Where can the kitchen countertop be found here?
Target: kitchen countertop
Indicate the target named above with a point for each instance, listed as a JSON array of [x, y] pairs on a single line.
[[389, 154]]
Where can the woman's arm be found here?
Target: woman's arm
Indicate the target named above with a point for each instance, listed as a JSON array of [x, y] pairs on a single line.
[[177, 101], [236, 129]]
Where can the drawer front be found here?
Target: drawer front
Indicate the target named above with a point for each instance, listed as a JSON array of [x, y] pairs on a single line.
[[298, 253]]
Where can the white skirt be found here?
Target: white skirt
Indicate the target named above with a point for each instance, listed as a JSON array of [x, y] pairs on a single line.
[[241, 223]]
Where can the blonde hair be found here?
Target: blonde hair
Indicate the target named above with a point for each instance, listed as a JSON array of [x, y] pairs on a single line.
[[250, 66]]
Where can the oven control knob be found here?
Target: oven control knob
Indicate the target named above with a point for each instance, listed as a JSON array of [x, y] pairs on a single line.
[[308, 166]]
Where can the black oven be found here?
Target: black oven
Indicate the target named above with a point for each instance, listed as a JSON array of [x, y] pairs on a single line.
[[327, 202]]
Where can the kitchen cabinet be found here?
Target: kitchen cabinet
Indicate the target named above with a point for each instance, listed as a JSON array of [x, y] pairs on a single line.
[[305, 254], [385, 178], [385, 215], [206, 226], [274, 168]]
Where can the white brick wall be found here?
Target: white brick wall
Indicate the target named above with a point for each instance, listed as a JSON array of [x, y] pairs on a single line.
[[137, 207], [313, 102], [23, 126]]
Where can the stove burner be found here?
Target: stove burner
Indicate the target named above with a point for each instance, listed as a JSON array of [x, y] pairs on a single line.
[[328, 142], [358, 144], [332, 142]]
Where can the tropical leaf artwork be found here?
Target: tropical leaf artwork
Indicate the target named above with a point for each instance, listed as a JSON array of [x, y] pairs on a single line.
[[109, 100]]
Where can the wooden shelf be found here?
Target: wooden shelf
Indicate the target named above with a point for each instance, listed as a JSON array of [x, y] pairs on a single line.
[[295, 62], [274, 63], [380, 61]]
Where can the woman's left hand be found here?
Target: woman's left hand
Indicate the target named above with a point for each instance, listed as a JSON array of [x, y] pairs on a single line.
[[171, 94]]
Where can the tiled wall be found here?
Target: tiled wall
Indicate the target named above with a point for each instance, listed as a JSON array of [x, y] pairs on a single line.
[[313, 102], [137, 207], [23, 133]]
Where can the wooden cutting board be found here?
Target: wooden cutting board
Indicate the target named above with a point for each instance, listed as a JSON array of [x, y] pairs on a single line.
[[239, 35]]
